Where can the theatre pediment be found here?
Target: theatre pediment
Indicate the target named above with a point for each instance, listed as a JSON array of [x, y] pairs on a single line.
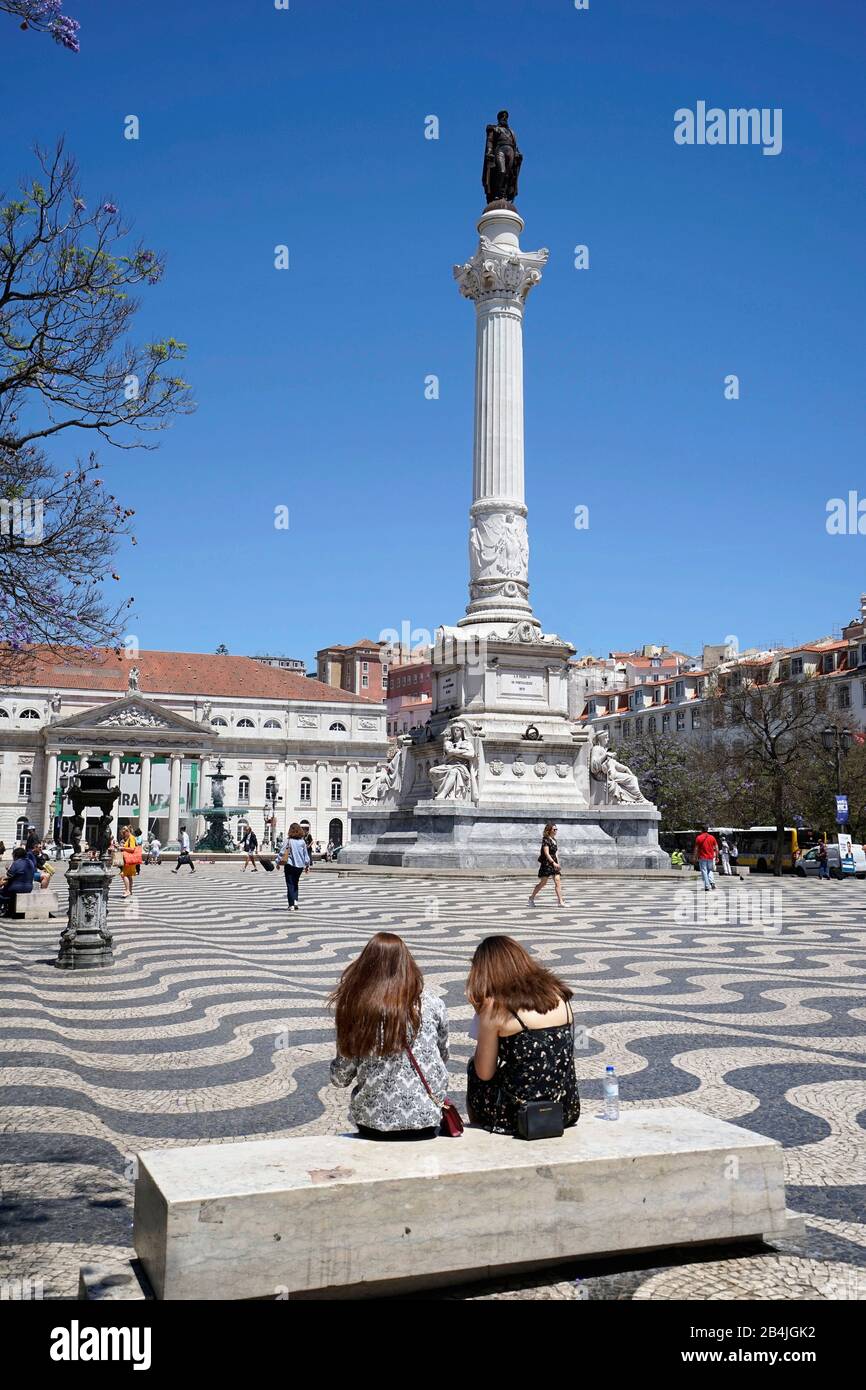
[[129, 712]]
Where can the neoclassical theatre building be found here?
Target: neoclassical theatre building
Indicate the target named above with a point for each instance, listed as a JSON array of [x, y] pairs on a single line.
[[292, 748]]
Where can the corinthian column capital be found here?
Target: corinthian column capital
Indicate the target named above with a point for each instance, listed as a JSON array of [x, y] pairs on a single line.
[[500, 272]]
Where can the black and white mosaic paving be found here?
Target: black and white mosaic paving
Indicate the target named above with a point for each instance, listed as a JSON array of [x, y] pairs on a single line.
[[212, 1026]]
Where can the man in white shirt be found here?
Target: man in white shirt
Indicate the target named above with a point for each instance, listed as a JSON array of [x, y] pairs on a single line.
[[184, 855]]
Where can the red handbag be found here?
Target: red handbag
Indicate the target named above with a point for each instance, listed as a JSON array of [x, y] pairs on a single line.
[[132, 856], [451, 1124]]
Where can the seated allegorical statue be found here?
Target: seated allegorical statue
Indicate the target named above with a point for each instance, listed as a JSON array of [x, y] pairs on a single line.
[[456, 779], [620, 782]]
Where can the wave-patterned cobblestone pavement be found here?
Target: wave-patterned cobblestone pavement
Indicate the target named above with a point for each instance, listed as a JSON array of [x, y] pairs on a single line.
[[212, 1026]]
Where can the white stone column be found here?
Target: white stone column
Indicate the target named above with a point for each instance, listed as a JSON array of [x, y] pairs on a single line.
[[497, 279], [323, 799], [115, 775], [353, 787], [291, 792], [144, 791], [174, 796], [50, 788]]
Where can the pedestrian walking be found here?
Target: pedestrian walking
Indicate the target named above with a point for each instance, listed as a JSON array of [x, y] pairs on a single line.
[[548, 866], [823, 862], [184, 856], [309, 843], [249, 845], [734, 855], [706, 848], [294, 859], [131, 858], [725, 856]]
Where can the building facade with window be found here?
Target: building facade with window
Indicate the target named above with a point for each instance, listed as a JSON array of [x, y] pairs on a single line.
[[676, 703], [291, 747], [410, 689], [361, 668]]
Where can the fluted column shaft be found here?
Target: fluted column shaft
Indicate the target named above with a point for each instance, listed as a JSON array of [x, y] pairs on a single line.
[[497, 279]]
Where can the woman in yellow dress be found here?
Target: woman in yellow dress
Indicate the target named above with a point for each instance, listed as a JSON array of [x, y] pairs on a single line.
[[127, 873]]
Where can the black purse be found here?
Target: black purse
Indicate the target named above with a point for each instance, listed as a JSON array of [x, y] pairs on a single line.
[[541, 1119]]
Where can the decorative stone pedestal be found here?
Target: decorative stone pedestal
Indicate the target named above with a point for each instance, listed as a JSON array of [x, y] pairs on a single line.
[[85, 942], [448, 836]]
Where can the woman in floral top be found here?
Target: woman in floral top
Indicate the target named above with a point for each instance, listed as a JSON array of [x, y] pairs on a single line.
[[381, 1010]]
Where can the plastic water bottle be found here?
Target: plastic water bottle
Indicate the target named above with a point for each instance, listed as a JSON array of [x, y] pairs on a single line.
[[611, 1094]]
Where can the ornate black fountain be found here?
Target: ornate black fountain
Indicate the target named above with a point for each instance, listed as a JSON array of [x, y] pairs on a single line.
[[85, 942], [217, 838]]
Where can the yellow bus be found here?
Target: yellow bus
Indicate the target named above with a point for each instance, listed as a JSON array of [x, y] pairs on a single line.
[[757, 847]]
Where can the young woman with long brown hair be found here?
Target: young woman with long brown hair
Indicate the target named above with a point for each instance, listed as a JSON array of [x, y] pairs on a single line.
[[525, 1037], [382, 1010]]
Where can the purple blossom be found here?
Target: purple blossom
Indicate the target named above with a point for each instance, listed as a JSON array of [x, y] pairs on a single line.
[[45, 14], [109, 207]]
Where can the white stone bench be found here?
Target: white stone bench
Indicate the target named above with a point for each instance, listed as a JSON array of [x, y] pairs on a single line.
[[36, 906], [344, 1216]]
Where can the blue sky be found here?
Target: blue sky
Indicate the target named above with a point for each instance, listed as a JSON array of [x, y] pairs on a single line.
[[306, 127]]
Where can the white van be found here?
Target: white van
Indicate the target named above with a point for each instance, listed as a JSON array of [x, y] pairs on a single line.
[[808, 863]]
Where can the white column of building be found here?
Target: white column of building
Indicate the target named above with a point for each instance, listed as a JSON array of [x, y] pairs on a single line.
[[144, 791], [290, 795], [353, 786], [323, 801], [174, 796], [115, 777], [497, 279], [50, 789]]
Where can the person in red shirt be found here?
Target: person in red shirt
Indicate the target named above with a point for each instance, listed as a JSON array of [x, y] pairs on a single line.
[[706, 849]]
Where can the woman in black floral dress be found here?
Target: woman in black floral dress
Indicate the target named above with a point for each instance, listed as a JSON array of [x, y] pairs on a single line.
[[525, 1048]]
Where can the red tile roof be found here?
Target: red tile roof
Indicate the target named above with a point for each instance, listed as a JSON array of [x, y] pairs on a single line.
[[178, 673]]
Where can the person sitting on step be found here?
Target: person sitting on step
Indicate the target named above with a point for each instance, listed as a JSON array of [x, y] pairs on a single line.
[[18, 879]]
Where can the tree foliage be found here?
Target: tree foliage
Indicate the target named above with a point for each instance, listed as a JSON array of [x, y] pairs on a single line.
[[54, 561], [67, 278], [67, 305], [45, 18]]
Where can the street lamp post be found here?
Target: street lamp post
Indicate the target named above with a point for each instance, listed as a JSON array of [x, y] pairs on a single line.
[[60, 791], [271, 800], [836, 741]]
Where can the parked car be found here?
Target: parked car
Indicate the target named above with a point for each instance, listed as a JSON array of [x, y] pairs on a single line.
[[808, 863]]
